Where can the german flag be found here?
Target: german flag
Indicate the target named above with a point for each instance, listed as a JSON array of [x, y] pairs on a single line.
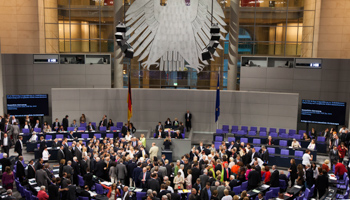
[[129, 101]]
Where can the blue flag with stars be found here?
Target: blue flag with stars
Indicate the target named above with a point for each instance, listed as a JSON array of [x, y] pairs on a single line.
[[217, 108]]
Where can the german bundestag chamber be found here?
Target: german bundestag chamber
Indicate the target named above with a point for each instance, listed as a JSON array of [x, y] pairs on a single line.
[[174, 99]]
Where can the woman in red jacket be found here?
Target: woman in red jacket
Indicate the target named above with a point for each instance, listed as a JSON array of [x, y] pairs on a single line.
[[113, 191], [267, 175]]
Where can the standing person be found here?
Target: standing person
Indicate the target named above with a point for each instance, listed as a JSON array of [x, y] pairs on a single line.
[[307, 158], [8, 178], [19, 146], [153, 151], [65, 123], [342, 151], [322, 183], [179, 181], [309, 176], [121, 172], [6, 144], [293, 171], [275, 177], [334, 155], [82, 118], [188, 118], [15, 132], [188, 179]]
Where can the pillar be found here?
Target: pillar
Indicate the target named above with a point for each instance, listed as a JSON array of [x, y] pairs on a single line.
[[118, 55], [233, 45]]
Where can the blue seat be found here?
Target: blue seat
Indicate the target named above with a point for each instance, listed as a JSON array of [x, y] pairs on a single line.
[[273, 130], [284, 135], [254, 128], [298, 154], [48, 137], [283, 143], [345, 195], [70, 129], [59, 136], [237, 190], [321, 139], [283, 184], [103, 129], [245, 140], [110, 135], [83, 198], [113, 129], [37, 146], [99, 189], [70, 143], [292, 132], [94, 124], [284, 152], [219, 131], [344, 178], [301, 132], [282, 130], [244, 128], [98, 135], [343, 186], [25, 130], [312, 190], [252, 133], [275, 191], [244, 185], [139, 195], [234, 129], [262, 134], [231, 139], [257, 149], [217, 144], [119, 125], [225, 128], [81, 128], [85, 135], [268, 195], [82, 125], [273, 134], [219, 138], [256, 141], [27, 194], [183, 135], [262, 129], [307, 194], [241, 132], [81, 181], [34, 198], [1, 155], [38, 130], [271, 150]]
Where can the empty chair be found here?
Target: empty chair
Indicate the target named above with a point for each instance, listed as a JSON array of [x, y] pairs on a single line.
[[273, 134], [321, 139], [275, 191], [219, 131], [99, 189], [81, 129], [284, 152], [85, 135], [183, 135], [237, 190], [245, 140], [70, 129], [231, 139], [284, 135], [256, 141], [94, 124], [282, 130], [103, 129], [254, 128], [70, 143], [273, 130], [283, 143], [25, 130], [225, 128], [81, 181], [312, 189], [139, 195], [241, 132], [269, 195], [301, 132], [82, 124], [257, 149], [98, 135], [234, 129], [343, 186], [110, 135], [60, 136], [113, 129], [244, 128], [27, 194], [292, 132], [307, 193], [83, 198], [38, 130], [218, 138], [262, 129], [244, 185], [262, 134], [344, 196], [48, 137], [252, 133], [283, 184], [298, 154], [119, 125], [217, 144], [271, 150], [344, 178]]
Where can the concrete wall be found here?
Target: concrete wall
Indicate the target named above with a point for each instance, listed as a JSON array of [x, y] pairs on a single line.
[[21, 76], [331, 83], [153, 105]]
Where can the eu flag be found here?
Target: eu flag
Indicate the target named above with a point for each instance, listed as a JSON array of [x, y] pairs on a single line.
[[217, 108]]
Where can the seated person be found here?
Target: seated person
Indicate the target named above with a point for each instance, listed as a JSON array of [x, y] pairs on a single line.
[[90, 127], [181, 128], [169, 134], [178, 135], [34, 137], [168, 122], [27, 126], [61, 129], [312, 145], [56, 125], [270, 141], [110, 123], [295, 144], [176, 123], [160, 134], [306, 137], [70, 135], [74, 124], [47, 129]]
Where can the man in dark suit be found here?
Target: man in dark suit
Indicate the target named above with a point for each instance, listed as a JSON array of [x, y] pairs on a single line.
[[19, 146], [85, 192], [38, 124], [130, 168], [88, 178], [68, 169], [204, 178], [76, 170], [163, 191], [39, 164], [188, 118], [6, 144], [264, 154], [41, 177], [65, 123], [206, 192], [83, 165], [103, 122], [233, 182], [71, 193], [56, 125], [60, 154], [158, 127], [322, 183], [90, 127], [309, 176], [160, 134], [31, 170], [153, 183], [227, 173], [275, 182], [136, 173], [100, 168], [144, 176], [196, 172], [334, 155], [254, 179], [55, 143], [20, 173]]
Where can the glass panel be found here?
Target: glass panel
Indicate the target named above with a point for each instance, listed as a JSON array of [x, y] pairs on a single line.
[[107, 32], [246, 16], [245, 48], [80, 46], [51, 31], [271, 18], [263, 48], [64, 45], [63, 3], [299, 3], [291, 49], [107, 46], [85, 15], [64, 31], [85, 3], [272, 4], [51, 16], [107, 15], [294, 33], [51, 46]]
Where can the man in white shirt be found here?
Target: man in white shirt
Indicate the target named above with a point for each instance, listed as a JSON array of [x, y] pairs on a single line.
[[306, 158], [6, 144]]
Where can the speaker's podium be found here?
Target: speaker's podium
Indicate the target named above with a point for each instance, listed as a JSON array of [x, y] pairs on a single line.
[[168, 154]]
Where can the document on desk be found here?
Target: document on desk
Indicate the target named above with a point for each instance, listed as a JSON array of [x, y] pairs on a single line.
[[106, 183], [57, 175], [32, 181], [264, 186], [37, 189], [297, 186], [138, 190], [92, 194], [256, 191]]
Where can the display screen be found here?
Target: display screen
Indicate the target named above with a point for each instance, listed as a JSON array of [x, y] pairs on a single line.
[[29, 104], [323, 112]]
